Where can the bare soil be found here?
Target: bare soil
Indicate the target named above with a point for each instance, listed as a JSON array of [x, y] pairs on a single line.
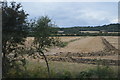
[[85, 50]]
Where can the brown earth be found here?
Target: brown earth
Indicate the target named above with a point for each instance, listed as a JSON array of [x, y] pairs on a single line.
[[85, 45], [83, 50], [114, 40], [87, 50], [90, 44]]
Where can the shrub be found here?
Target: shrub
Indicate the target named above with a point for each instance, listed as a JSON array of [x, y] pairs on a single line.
[[62, 44], [98, 72]]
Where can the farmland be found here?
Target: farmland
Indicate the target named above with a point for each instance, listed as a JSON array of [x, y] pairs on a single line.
[[81, 54], [113, 40], [83, 45]]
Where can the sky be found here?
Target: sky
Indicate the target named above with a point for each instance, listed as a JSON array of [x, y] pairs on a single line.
[[69, 14]]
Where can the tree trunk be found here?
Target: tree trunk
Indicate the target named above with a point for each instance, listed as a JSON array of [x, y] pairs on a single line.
[[48, 69]]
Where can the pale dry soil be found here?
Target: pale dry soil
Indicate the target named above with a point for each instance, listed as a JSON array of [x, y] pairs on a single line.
[[67, 39], [111, 39], [90, 44], [86, 45], [114, 40]]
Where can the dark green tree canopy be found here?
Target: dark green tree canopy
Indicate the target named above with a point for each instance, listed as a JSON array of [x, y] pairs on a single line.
[[43, 32], [43, 26], [14, 26], [14, 32]]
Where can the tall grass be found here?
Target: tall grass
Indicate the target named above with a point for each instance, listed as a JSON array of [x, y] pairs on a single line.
[[41, 72]]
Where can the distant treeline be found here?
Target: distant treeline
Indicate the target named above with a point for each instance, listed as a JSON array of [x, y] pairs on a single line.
[[76, 30]]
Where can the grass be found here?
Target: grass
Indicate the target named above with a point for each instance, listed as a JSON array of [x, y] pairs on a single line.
[[59, 67], [63, 70], [63, 44]]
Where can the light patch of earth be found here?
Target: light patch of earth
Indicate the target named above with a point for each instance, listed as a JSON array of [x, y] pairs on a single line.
[[114, 40], [84, 45]]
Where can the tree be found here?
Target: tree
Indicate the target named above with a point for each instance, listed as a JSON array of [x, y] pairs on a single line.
[[14, 30], [43, 32]]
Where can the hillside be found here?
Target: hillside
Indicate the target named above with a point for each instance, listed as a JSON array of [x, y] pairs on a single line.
[[76, 29], [111, 29]]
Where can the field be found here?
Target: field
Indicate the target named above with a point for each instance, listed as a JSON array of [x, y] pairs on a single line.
[[113, 40], [104, 47], [81, 53]]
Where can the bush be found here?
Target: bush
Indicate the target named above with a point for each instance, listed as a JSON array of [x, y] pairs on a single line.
[[62, 44], [38, 72], [98, 72]]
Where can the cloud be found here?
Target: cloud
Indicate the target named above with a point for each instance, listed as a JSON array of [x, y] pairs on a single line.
[[114, 21], [74, 13]]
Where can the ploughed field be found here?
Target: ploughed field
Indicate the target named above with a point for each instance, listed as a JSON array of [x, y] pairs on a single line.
[[87, 50]]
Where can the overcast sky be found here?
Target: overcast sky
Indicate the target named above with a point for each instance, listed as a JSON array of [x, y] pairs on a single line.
[[69, 14]]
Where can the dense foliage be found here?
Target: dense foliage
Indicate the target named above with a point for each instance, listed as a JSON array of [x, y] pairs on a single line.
[[14, 31]]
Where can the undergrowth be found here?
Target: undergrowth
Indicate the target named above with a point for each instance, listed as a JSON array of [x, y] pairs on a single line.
[[41, 72]]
